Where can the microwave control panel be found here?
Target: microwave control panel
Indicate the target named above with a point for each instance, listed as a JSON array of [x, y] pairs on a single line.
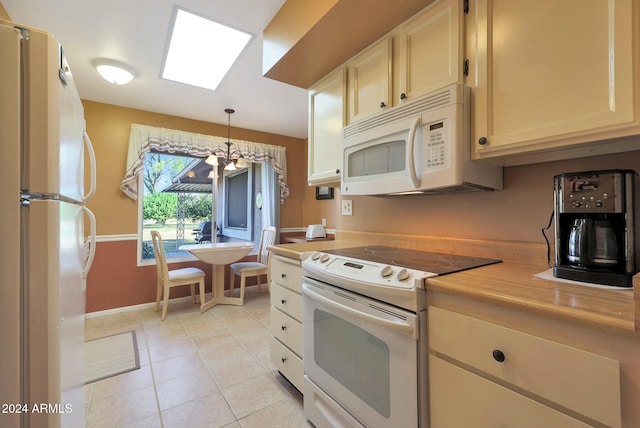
[[436, 137]]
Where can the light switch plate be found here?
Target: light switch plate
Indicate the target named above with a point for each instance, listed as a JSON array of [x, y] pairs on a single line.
[[347, 207]]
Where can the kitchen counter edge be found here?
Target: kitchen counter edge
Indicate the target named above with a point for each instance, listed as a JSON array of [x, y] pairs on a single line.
[[513, 285]]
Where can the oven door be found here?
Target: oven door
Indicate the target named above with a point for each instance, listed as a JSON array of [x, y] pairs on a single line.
[[360, 360]]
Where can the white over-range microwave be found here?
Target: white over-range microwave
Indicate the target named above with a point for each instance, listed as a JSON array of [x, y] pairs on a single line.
[[420, 147]]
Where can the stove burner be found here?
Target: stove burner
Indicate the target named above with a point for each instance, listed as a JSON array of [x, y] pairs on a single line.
[[426, 261]]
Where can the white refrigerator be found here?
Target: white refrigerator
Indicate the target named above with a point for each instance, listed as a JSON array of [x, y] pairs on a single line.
[[45, 255]]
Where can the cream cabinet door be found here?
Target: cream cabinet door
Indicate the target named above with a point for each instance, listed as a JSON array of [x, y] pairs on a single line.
[[459, 398], [286, 272], [549, 74], [326, 120], [287, 363], [431, 50], [370, 81], [581, 382]]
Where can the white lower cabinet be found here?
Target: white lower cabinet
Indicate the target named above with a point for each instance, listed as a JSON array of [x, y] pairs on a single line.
[[286, 318], [490, 375], [288, 363], [287, 330]]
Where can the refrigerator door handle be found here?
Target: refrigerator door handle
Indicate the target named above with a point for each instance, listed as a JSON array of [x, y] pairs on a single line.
[[92, 242], [92, 164]]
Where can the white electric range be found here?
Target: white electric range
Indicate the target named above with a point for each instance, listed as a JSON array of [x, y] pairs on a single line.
[[364, 321]]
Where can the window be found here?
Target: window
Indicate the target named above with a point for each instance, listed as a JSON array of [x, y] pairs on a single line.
[[178, 200], [237, 205]]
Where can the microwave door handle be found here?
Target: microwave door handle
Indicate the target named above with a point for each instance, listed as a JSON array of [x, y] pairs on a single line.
[[412, 161], [396, 327]]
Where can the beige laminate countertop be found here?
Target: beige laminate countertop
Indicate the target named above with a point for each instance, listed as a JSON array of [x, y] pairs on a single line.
[[296, 250], [512, 284]]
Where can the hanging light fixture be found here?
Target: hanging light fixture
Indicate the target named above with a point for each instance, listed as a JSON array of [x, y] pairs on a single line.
[[240, 162], [229, 164]]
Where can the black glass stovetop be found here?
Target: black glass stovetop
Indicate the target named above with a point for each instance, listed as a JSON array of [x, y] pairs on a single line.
[[425, 261]]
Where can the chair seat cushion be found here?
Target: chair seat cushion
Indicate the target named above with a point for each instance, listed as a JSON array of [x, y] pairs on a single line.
[[247, 266], [185, 274]]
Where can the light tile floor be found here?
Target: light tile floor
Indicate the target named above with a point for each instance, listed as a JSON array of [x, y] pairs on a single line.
[[197, 370]]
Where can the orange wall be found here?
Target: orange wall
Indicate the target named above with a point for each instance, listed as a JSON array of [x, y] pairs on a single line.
[[115, 281], [313, 211]]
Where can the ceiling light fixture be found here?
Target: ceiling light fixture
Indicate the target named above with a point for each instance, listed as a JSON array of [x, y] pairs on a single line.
[[114, 71], [200, 51]]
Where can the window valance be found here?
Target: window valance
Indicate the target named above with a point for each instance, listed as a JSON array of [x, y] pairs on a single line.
[[143, 139]]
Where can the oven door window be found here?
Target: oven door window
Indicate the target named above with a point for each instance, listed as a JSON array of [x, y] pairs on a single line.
[[359, 359]]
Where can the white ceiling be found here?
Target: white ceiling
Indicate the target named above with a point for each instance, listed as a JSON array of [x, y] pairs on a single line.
[[136, 32]]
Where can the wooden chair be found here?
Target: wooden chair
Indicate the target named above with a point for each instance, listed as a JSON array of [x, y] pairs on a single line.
[[173, 278], [257, 268]]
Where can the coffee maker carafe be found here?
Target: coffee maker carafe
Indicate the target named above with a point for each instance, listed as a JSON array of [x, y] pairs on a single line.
[[594, 227]]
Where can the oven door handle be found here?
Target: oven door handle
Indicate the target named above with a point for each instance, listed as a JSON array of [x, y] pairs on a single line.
[[396, 327]]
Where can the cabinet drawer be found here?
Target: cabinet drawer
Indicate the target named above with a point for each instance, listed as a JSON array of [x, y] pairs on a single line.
[[287, 330], [287, 301], [578, 380], [287, 363], [462, 399], [286, 272]]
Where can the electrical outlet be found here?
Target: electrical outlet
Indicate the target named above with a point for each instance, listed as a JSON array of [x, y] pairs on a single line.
[[324, 222], [347, 207]]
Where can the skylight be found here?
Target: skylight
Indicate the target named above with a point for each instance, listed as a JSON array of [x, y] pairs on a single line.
[[201, 51]]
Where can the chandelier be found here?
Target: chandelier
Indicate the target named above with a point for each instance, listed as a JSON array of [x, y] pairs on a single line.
[[230, 164]]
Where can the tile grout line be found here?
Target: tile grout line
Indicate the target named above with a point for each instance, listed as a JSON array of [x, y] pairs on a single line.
[[153, 376]]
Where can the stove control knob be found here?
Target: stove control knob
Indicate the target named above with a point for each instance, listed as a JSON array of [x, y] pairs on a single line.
[[387, 271], [403, 275], [315, 256], [324, 258]]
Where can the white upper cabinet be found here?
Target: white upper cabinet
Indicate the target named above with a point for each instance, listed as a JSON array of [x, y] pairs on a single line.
[[550, 75], [431, 50], [326, 120], [370, 81]]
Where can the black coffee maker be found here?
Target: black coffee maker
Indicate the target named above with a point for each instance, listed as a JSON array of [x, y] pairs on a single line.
[[595, 227]]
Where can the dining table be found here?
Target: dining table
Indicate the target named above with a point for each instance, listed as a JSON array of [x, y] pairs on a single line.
[[219, 254]]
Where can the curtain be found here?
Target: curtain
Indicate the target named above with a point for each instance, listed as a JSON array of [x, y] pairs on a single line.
[[144, 138], [270, 209]]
